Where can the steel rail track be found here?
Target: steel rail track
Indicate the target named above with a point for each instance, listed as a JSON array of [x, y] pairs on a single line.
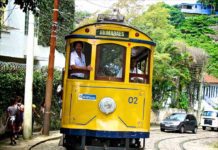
[[181, 144]]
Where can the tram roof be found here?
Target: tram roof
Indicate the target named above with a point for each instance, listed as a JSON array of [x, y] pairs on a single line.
[[107, 23]]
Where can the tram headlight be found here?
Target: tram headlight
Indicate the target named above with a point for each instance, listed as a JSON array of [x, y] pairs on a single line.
[[107, 105]]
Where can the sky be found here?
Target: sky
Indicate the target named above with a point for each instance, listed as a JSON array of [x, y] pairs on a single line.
[[101, 5]]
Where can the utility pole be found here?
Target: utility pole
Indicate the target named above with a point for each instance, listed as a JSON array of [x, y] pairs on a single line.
[[27, 123], [200, 93], [49, 84]]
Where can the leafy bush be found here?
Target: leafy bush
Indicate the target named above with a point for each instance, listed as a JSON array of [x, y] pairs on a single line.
[[12, 83], [196, 31], [183, 101], [156, 105]]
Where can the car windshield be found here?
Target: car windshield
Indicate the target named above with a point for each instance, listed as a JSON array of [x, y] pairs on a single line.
[[176, 117], [209, 113]]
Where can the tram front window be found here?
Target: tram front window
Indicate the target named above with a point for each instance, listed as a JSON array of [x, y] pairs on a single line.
[[139, 65], [80, 59], [109, 61]]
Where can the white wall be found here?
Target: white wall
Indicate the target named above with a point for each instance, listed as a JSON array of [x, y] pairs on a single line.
[[14, 43], [59, 57]]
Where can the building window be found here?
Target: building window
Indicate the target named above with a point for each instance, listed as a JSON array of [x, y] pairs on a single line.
[[189, 7], [26, 27]]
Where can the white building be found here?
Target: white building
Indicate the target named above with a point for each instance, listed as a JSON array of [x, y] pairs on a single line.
[[210, 92], [196, 8], [14, 35]]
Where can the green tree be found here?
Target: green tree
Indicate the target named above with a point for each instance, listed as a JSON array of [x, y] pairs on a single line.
[[176, 16], [195, 31], [65, 22], [25, 5], [197, 26], [131, 8], [155, 23], [3, 3], [83, 18], [171, 74], [81, 15], [12, 84], [171, 71], [212, 3]]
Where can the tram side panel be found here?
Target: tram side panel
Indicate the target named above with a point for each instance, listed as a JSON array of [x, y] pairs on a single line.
[[81, 107]]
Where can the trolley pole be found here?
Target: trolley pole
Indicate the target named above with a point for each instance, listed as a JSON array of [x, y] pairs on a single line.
[[49, 84]]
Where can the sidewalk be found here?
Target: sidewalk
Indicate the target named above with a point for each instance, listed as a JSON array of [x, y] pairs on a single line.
[[26, 144]]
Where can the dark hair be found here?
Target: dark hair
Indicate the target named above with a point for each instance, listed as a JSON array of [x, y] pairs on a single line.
[[18, 99], [12, 101], [43, 103], [77, 42]]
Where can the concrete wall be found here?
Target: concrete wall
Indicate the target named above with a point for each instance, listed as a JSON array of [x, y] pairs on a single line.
[[159, 115]]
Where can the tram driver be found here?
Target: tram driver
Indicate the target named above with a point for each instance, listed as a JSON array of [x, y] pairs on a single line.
[[77, 61]]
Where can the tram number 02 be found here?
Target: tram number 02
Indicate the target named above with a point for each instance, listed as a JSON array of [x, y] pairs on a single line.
[[133, 100]]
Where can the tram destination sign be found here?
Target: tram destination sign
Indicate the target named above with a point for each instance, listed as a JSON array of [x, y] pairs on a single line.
[[114, 33]]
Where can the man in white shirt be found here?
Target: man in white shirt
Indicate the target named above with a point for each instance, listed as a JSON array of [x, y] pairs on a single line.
[[77, 60]]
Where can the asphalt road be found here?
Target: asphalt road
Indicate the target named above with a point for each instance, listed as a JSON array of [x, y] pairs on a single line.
[[162, 141]]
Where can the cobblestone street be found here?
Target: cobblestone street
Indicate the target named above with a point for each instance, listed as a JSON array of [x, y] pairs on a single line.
[[163, 140]]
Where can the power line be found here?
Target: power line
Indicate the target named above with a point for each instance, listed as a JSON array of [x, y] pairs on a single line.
[[9, 14], [12, 9], [97, 4]]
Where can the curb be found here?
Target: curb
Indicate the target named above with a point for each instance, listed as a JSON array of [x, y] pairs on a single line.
[[43, 141], [30, 143]]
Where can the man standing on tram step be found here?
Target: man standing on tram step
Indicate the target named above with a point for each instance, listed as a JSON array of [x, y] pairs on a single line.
[[77, 60]]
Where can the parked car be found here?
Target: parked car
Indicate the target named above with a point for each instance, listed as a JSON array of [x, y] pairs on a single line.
[[209, 118], [181, 122]]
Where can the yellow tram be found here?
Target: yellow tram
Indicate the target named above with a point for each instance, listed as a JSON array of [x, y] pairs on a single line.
[[108, 105]]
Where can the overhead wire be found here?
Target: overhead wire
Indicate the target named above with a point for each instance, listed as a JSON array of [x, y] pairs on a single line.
[[9, 14], [11, 9], [97, 4]]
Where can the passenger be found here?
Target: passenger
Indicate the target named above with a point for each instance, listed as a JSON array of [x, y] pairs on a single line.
[[133, 69], [11, 114], [77, 60]]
